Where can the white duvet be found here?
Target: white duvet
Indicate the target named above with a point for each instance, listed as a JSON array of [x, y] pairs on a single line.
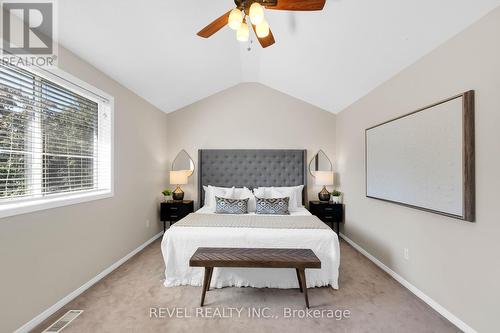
[[179, 244]]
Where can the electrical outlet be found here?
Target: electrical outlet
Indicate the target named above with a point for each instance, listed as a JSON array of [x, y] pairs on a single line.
[[148, 224], [406, 253]]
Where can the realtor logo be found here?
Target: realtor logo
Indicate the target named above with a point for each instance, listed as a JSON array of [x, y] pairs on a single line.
[[28, 32]]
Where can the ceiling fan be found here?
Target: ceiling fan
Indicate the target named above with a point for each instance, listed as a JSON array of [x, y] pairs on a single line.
[[254, 9]]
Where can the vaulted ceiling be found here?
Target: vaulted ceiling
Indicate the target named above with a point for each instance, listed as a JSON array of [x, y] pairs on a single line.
[[329, 58]]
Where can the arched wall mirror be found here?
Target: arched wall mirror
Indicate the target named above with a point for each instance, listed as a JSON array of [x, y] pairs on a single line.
[[183, 162], [320, 162]]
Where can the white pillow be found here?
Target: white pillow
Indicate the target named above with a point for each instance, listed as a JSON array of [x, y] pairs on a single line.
[[239, 191], [260, 192], [244, 193], [207, 194], [286, 192], [298, 192], [212, 191]]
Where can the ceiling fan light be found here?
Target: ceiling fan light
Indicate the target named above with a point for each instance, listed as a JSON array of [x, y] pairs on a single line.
[[243, 33], [262, 29], [235, 19], [256, 13]]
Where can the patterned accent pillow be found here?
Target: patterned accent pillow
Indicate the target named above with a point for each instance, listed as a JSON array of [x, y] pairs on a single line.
[[277, 206], [231, 206]]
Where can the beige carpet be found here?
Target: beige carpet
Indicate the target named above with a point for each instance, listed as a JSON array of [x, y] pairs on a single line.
[[122, 302]]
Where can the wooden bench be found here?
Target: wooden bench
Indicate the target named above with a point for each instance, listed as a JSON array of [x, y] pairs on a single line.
[[211, 257]]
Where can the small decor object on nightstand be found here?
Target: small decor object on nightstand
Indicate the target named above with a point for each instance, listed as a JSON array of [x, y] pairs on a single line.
[[336, 197], [178, 178], [167, 193], [324, 178]]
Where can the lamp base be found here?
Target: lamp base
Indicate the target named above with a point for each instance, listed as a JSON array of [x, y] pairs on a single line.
[[178, 194], [324, 195]]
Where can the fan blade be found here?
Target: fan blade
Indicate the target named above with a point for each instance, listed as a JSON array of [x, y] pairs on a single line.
[[266, 41], [215, 26], [299, 5]]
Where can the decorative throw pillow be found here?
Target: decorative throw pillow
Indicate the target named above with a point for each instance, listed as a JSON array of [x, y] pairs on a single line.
[[276, 206], [231, 206], [276, 193]]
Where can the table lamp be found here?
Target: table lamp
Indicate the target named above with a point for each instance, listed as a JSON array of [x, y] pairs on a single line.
[[324, 178], [178, 178]]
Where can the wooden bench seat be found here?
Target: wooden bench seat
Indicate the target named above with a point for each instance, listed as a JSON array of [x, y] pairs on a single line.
[[211, 257]]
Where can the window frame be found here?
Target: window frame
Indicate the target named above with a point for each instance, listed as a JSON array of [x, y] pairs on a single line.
[[16, 206]]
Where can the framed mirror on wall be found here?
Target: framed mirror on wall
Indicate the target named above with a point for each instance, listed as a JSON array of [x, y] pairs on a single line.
[[183, 162], [320, 162], [321, 168], [182, 169]]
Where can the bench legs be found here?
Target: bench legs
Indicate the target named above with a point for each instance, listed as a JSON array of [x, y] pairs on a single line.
[[207, 277], [210, 278], [298, 278], [301, 276]]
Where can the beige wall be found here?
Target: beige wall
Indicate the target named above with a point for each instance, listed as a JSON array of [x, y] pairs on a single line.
[[46, 255], [247, 116], [455, 263]]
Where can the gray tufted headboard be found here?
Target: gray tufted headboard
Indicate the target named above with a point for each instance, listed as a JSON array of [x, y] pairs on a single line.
[[251, 168]]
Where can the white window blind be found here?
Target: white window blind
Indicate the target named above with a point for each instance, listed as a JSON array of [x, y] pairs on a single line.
[[53, 141]]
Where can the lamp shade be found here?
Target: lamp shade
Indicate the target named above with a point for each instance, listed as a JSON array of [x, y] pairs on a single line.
[[235, 19], [324, 178], [262, 29], [243, 33], [256, 13], [179, 177]]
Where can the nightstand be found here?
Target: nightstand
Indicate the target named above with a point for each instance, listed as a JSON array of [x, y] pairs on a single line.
[[173, 211], [328, 212]]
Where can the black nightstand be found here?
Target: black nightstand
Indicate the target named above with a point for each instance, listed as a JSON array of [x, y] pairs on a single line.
[[328, 212], [173, 211]]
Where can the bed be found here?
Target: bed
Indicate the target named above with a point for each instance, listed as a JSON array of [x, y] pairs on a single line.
[[204, 228]]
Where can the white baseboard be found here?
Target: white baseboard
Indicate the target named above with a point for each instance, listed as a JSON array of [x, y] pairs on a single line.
[[432, 303], [50, 311]]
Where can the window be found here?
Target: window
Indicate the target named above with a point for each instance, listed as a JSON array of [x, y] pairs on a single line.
[[55, 141]]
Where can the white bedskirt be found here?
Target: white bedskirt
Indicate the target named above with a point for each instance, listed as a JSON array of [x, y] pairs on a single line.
[[179, 244]]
